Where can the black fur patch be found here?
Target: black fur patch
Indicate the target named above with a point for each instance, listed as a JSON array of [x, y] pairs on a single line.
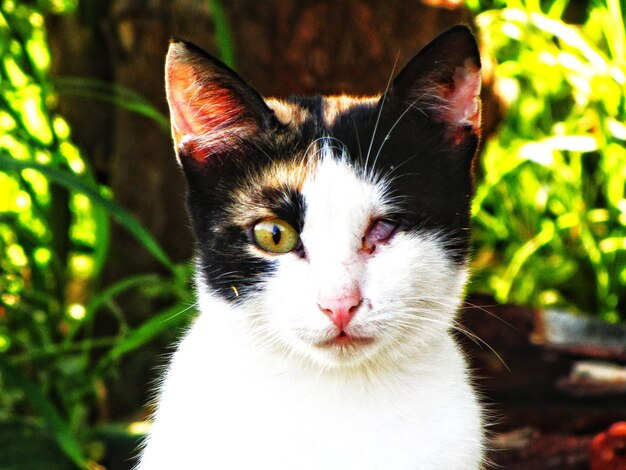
[[432, 177], [223, 241]]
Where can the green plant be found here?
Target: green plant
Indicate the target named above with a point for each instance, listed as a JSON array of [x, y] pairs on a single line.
[[550, 208], [223, 35], [54, 239]]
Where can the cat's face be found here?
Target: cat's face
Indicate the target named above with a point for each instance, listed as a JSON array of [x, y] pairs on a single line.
[[337, 226]]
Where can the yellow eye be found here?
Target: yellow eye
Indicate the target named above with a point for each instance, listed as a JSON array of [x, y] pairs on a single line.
[[275, 236]]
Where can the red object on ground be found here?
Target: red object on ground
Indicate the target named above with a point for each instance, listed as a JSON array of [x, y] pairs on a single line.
[[608, 449]]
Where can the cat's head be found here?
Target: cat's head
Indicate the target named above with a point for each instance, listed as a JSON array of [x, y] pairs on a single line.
[[338, 226]]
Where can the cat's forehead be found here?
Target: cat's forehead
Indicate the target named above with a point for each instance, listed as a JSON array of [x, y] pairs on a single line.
[[337, 192], [323, 111], [316, 132], [319, 176]]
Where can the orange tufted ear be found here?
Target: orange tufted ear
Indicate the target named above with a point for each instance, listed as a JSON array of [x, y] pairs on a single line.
[[211, 108]]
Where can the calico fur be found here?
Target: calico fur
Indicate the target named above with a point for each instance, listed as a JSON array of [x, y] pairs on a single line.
[[263, 378]]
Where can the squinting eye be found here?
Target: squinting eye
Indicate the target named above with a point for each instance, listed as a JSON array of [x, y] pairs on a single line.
[[379, 232], [275, 236]]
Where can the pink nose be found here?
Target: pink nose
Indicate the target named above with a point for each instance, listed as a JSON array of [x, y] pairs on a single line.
[[341, 310]]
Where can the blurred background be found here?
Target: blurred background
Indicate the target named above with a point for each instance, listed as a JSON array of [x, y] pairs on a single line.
[[95, 246]]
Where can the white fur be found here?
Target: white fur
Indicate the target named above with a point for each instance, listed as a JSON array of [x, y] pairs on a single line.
[[250, 387]]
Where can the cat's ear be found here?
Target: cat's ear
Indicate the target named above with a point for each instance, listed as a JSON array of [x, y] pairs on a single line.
[[443, 81], [212, 110]]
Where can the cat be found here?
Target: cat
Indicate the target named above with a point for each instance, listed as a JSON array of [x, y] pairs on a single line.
[[332, 245]]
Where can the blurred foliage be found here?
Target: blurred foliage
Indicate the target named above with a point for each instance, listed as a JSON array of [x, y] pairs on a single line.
[[54, 241], [550, 208]]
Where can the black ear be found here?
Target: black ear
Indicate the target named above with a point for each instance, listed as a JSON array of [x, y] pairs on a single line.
[[212, 110], [443, 82]]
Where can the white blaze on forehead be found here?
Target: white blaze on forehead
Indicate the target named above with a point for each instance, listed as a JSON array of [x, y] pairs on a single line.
[[340, 205]]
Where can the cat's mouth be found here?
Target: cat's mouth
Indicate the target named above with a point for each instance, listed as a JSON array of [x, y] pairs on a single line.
[[345, 339]]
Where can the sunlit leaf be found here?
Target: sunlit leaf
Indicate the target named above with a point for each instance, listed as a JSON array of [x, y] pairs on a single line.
[[120, 214], [14, 73], [39, 54]]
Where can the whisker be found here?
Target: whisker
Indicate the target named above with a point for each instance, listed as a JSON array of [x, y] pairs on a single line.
[[484, 310], [358, 141], [397, 121], [467, 332], [380, 111], [195, 304]]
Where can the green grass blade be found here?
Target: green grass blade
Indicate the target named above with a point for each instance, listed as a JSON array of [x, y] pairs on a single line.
[[557, 8], [163, 321], [26, 446], [616, 30], [107, 295], [140, 280], [102, 235], [111, 93], [121, 215], [53, 420], [223, 35], [522, 255]]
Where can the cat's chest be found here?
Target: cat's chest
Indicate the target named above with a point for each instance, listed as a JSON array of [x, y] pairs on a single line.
[[245, 413], [281, 424], [310, 434]]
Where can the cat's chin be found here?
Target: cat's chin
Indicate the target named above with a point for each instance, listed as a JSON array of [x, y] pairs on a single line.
[[341, 351]]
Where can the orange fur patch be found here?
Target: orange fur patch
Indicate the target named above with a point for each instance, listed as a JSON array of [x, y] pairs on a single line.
[[337, 105], [282, 175], [289, 114]]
